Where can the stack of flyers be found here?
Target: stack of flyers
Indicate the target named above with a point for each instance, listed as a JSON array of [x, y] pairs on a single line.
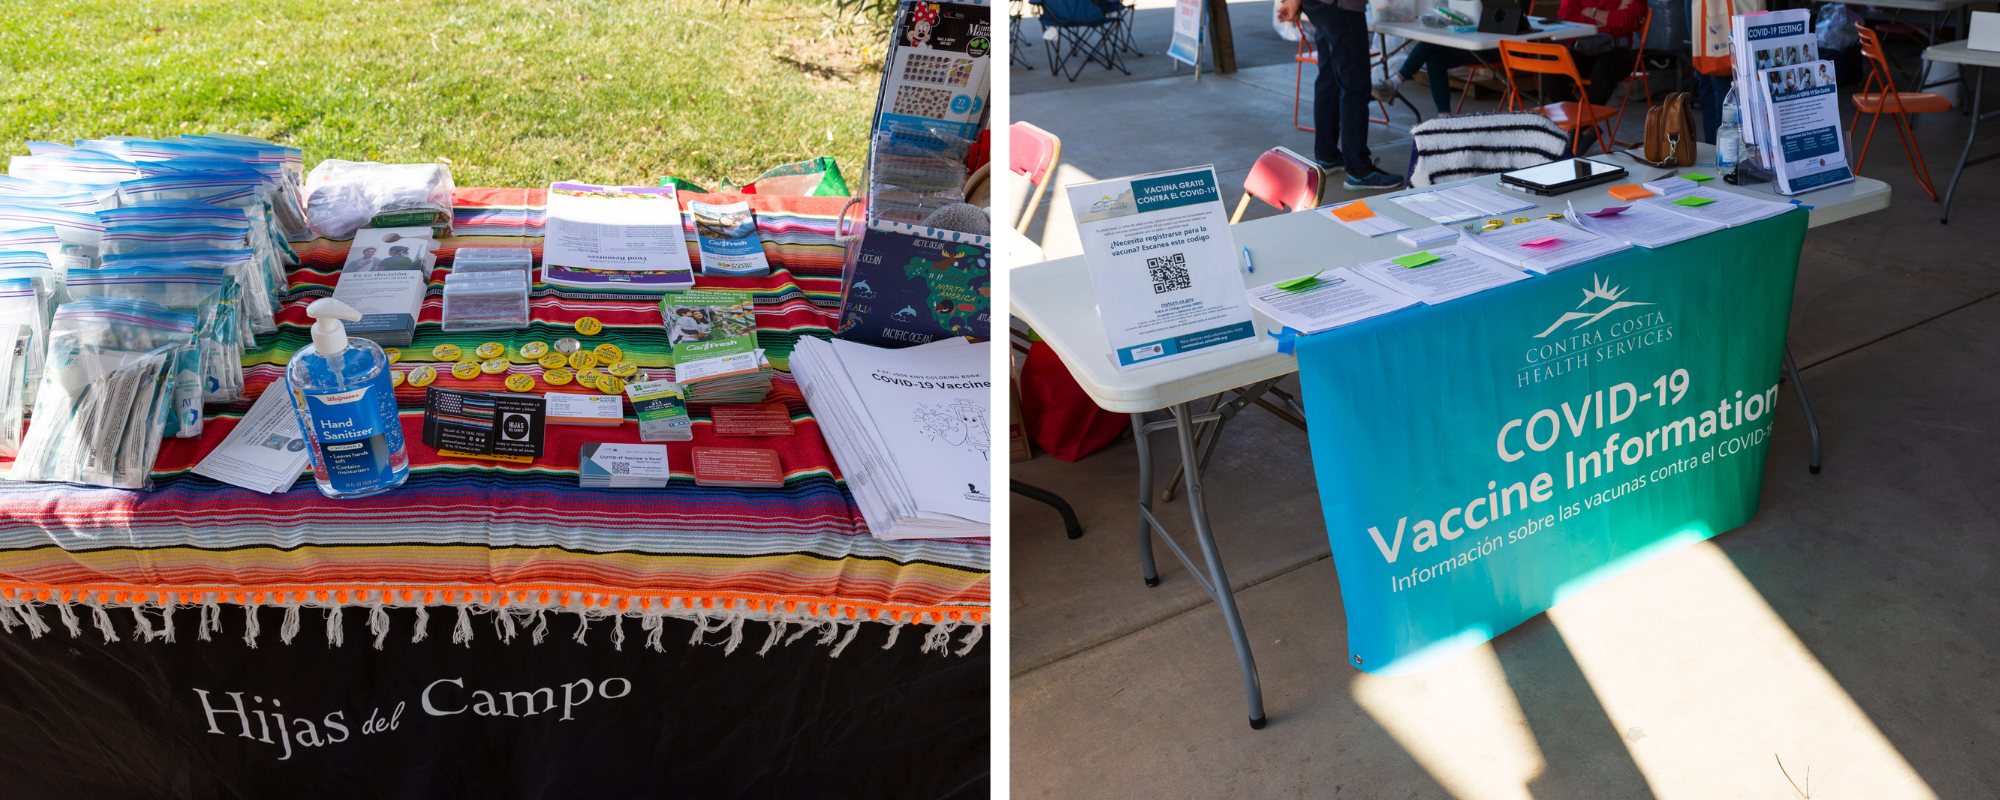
[[662, 411], [622, 466], [714, 335], [501, 427], [743, 468]]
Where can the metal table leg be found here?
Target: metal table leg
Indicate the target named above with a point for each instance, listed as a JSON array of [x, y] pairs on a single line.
[[1216, 580], [1812, 422], [1965, 156]]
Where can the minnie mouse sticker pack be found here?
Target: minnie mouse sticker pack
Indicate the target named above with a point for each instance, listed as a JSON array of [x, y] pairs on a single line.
[[938, 70]]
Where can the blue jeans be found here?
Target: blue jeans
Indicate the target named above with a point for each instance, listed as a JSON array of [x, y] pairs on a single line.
[[1437, 61], [1340, 93], [1712, 88]]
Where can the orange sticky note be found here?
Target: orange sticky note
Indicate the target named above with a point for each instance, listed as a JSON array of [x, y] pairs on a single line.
[[1353, 212], [1630, 191]]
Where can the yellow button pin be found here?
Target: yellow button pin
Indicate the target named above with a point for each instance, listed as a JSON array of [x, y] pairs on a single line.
[[521, 383], [623, 369], [423, 376], [395, 379], [393, 354], [446, 352], [558, 377], [582, 359], [493, 366], [610, 384], [553, 360], [491, 350], [609, 353], [588, 326], [465, 370], [588, 377], [534, 350]]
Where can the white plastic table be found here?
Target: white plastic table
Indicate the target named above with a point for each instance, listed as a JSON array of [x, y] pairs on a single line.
[[1476, 41], [1977, 61], [1057, 300]]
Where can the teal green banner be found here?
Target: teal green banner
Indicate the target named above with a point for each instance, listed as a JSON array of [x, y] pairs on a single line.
[[1482, 460]]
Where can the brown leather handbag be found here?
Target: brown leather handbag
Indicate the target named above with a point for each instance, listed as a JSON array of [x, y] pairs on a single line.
[[1670, 137]]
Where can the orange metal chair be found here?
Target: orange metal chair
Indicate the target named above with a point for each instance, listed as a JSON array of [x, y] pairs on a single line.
[[1032, 154], [1640, 76], [1308, 54], [1554, 59], [1900, 105], [1284, 179]]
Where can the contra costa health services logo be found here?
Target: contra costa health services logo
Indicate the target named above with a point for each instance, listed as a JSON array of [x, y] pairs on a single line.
[[1584, 318]]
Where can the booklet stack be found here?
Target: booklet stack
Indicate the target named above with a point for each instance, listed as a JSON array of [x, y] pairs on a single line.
[[714, 335], [909, 429], [622, 466]]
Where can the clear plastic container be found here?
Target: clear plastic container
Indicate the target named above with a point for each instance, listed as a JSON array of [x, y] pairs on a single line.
[[492, 259], [485, 301]]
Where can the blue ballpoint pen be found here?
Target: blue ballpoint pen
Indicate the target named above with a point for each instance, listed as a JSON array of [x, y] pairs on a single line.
[[1247, 263]]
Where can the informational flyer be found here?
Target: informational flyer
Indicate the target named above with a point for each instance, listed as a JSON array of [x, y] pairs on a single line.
[[1163, 264], [1186, 44], [1765, 41], [623, 235], [265, 452], [727, 235], [1802, 113]]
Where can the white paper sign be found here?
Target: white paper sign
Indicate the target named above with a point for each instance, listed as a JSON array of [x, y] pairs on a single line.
[[1163, 264]]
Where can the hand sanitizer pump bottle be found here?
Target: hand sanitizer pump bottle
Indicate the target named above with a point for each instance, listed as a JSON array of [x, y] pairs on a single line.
[[347, 407]]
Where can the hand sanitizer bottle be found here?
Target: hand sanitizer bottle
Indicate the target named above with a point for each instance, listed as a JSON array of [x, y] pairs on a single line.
[[347, 407]]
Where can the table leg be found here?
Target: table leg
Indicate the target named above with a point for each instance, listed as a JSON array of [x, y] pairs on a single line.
[[1812, 423], [1215, 581], [1218, 579], [1139, 436], [1978, 90]]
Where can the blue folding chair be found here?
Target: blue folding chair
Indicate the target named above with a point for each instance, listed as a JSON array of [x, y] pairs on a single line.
[[1083, 31]]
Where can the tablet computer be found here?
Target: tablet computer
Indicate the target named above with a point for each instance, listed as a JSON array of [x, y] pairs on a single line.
[[1558, 177]]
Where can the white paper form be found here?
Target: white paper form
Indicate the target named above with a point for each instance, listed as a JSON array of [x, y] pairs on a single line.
[[1728, 210], [1370, 225], [1460, 203], [1643, 225], [265, 452], [614, 228], [1338, 297], [1457, 273], [1529, 245]]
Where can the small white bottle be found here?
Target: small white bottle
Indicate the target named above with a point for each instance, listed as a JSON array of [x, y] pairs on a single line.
[[347, 407]]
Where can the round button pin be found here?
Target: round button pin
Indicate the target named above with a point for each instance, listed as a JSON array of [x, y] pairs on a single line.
[[521, 383], [558, 377], [588, 377], [609, 353], [446, 352], [393, 354], [623, 369], [567, 345], [423, 376], [553, 360], [493, 366], [610, 384], [395, 379], [534, 350], [465, 370], [491, 350], [582, 359], [588, 326]]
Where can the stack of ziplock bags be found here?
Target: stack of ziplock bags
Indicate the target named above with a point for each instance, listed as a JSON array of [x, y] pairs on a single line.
[[134, 273]]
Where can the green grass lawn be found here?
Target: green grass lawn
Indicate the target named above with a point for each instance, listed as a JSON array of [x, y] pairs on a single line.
[[510, 93]]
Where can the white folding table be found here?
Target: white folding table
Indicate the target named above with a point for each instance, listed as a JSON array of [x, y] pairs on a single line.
[[1057, 300], [1473, 42], [1977, 61]]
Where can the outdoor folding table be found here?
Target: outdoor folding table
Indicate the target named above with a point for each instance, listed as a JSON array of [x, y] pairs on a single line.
[[1977, 60], [1056, 299]]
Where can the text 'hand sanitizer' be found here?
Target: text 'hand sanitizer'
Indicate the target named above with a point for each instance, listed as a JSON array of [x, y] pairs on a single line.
[[347, 407]]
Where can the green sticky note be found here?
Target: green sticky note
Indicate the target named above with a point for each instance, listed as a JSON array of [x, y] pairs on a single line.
[[1693, 202], [1698, 178], [1296, 284], [1414, 260]]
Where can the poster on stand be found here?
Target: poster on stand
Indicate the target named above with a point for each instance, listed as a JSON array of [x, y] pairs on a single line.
[[1802, 118], [1186, 44], [1768, 40], [1163, 264]]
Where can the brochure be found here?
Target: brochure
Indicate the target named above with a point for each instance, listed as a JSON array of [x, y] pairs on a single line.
[[1765, 41], [265, 452], [727, 236], [1802, 115], [1164, 265], [662, 411], [709, 323], [615, 235], [389, 303]]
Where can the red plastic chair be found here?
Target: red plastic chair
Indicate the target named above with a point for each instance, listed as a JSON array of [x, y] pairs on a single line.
[[1900, 105], [1033, 153], [1639, 76], [1284, 179], [1307, 54], [1554, 59]]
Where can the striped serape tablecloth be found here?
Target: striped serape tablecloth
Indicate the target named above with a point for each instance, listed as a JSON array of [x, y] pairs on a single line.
[[499, 542]]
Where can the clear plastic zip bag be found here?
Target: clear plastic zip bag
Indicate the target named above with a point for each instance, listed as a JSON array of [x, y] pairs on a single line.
[[242, 268], [81, 234], [197, 292], [106, 394], [35, 307]]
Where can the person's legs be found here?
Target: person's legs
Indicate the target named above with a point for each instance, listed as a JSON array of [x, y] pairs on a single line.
[[1347, 37], [1326, 88], [1605, 72], [1713, 89]]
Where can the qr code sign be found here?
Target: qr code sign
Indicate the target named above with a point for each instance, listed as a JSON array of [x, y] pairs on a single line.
[[621, 468], [1169, 273]]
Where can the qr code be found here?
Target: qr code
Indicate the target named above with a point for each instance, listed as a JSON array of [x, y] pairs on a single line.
[[1169, 273], [621, 468]]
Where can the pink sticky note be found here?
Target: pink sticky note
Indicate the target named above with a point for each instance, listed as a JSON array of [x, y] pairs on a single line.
[[1542, 242], [1606, 212]]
